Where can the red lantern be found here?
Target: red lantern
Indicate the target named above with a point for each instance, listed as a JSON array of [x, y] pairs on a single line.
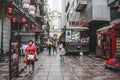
[[9, 11], [23, 20], [14, 20], [119, 8], [33, 27], [26, 26]]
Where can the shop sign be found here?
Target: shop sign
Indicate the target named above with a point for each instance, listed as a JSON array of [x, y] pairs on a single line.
[[68, 35], [77, 23]]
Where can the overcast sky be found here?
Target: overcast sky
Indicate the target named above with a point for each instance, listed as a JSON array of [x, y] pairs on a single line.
[[55, 5]]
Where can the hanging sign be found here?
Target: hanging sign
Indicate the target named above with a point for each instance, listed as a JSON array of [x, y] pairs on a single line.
[[68, 35], [31, 9], [26, 3]]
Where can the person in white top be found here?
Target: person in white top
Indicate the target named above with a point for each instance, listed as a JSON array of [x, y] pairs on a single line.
[[61, 52]]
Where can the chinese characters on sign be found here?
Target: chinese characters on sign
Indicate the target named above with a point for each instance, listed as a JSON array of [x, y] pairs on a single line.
[[77, 23]]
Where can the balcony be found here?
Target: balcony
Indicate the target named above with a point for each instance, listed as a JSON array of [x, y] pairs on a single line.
[[81, 5]]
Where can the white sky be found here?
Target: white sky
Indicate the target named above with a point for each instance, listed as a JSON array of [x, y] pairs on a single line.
[[55, 5]]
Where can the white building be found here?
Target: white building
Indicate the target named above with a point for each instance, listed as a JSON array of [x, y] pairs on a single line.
[[55, 23], [63, 13]]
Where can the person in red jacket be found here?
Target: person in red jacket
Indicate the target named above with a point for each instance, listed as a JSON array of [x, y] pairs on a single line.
[[55, 46], [30, 56]]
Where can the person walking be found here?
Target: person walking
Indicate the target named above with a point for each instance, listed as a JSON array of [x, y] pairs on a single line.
[[61, 52], [30, 56], [55, 46], [49, 43]]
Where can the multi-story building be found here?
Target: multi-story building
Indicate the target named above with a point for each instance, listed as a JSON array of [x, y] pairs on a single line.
[[55, 24], [91, 13]]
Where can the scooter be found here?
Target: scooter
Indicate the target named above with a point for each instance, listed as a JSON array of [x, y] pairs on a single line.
[[113, 63]]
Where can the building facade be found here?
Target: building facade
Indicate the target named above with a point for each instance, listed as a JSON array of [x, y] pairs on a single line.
[[63, 13], [55, 24], [33, 20], [91, 13]]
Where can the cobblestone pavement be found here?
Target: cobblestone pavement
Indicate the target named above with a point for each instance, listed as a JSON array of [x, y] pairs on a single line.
[[4, 69], [73, 68]]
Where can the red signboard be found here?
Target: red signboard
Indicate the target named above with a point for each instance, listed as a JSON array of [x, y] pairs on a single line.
[[77, 23]]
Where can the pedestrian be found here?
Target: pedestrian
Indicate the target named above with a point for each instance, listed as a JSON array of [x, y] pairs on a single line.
[[61, 52], [30, 56], [49, 43], [55, 46]]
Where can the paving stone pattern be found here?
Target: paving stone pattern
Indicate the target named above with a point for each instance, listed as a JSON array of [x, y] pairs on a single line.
[[73, 68]]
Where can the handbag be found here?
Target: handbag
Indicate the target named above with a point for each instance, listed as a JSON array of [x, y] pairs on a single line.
[[31, 57]]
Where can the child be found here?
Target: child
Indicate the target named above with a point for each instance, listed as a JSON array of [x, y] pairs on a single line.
[[61, 52]]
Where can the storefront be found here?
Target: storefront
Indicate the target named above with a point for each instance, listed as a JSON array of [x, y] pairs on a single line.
[[77, 39], [108, 41]]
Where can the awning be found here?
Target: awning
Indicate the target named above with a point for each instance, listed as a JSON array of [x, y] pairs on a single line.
[[78, 28], [105, 28]]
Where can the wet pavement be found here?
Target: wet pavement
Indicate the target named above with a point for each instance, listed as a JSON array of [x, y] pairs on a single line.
[[73, 68], [4, 68]]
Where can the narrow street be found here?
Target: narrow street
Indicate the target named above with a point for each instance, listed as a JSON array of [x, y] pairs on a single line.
[[28, 27], [73, 68]]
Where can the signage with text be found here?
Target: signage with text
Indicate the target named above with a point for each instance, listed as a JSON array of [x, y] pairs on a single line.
[[77, 23]]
